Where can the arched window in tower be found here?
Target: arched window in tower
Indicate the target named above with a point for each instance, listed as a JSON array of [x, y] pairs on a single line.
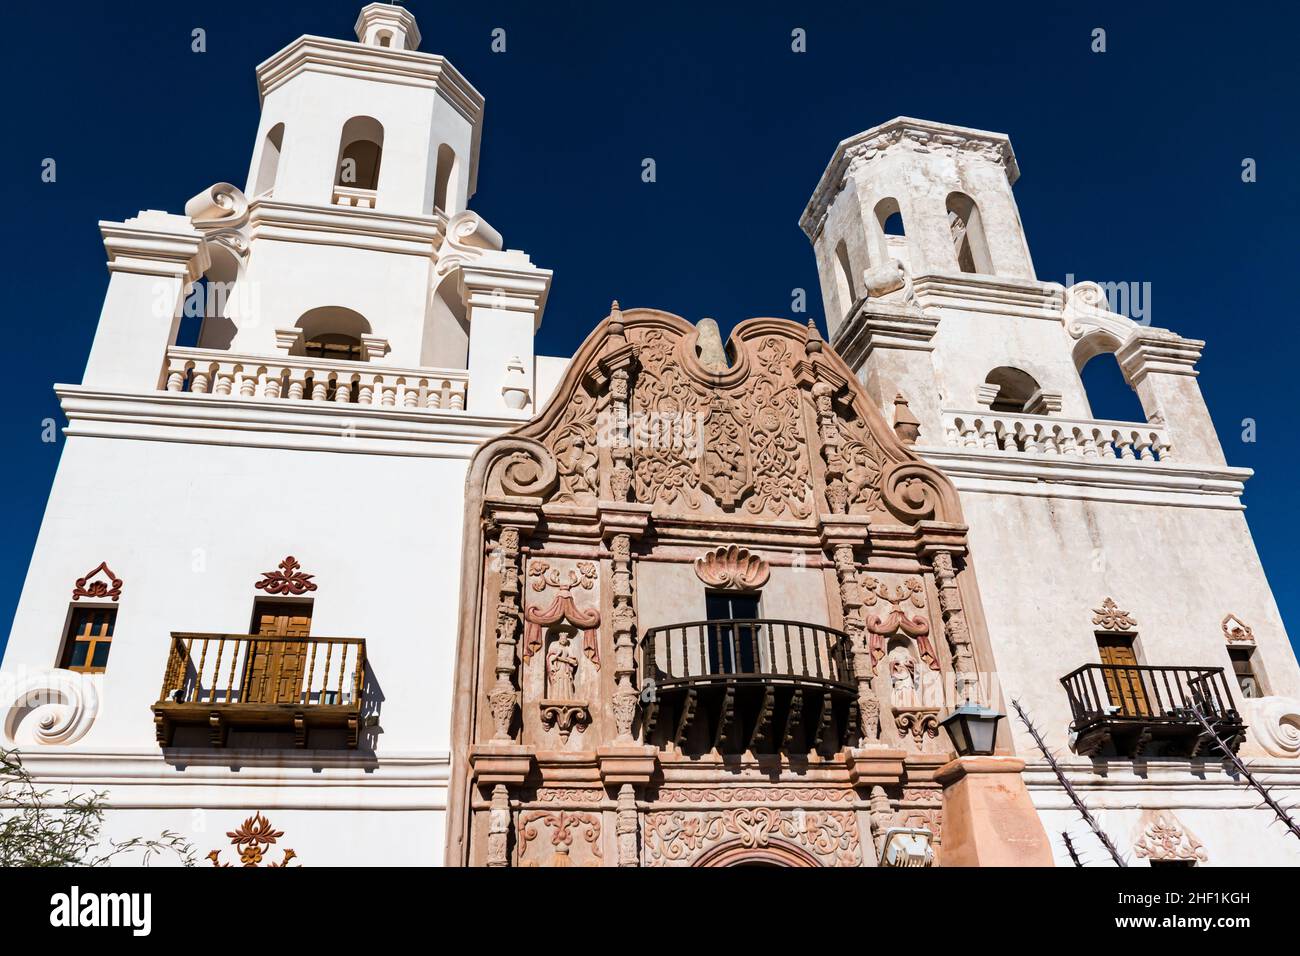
[[269, 164], [968, 239], [361, 150], [1016, 390], [333, 332], [890, 218], [845, 287], [443, 177], [1111, 397], [385, 39]]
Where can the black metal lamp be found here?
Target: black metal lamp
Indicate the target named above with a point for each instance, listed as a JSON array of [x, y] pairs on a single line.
[[972, 729]]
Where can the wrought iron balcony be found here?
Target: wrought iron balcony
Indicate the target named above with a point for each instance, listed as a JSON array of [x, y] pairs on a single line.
[[753, 685], [261, 682], [1138, 709]]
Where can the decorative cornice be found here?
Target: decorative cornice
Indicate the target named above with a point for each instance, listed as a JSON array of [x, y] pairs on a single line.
[[313, 54], [907, 133], [348, 226], [254, 423], [155, 243], [997, 472]]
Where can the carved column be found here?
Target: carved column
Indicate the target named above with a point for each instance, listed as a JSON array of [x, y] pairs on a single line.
[[498, 843], [882, 817], [954, 625], [839, 535], [626, 826], [502, 697], [625, 692], [837, 492]]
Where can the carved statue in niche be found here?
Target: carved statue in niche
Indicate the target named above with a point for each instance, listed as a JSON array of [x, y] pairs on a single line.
[[562, 667], [904, 682]]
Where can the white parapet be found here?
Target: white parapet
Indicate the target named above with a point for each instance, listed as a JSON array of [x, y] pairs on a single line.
[[1017, 432], [218, 373]]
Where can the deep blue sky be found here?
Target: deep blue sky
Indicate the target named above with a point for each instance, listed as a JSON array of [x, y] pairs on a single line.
[[1130, 164]]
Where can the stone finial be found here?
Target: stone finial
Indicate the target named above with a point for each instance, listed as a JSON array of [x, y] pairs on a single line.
[[709, 341], [812, 341], [616, 326], [906, 425]]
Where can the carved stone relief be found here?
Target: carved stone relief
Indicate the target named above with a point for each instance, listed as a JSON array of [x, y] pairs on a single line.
[[1164, 839], [1109, 617], [734, 567], [1235, 632], [678, 837], [559, 838]]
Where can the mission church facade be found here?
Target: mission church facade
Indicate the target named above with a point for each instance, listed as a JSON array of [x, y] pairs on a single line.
[[673, 601]]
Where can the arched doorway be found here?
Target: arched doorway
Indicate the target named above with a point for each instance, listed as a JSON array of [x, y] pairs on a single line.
[[775, 853]]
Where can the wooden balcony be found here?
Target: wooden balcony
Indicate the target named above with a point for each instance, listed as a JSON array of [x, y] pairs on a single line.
[[260, 682], [758, 685], [1141, 710]]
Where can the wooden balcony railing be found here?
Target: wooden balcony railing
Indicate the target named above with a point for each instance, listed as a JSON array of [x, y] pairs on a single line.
[[1134, 706], [755, 685], [261, 682]]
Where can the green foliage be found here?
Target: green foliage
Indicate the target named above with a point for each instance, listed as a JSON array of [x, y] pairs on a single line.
[[41, 829]]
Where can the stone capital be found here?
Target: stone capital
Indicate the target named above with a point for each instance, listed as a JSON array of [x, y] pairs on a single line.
[[630, 763], [155, 243], [878, 765], [500, 763], [844, 529], [1158, 352], [623, 517]]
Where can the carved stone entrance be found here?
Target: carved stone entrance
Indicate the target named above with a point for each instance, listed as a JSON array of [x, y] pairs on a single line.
[[775, 853]]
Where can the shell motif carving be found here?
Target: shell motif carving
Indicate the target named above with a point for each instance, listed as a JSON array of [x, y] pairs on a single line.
[[54, 708], [732, 567]]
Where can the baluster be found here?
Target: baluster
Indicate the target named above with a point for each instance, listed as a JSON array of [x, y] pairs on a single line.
[[458, 399], [342, 390], [176, 373], [274, 387], [230, 681], [444, 395], [325, 672], [216, 671], [1052, 439], [320, 388], [388, 394], [311, 673], [1123, 444], [803, 652], [366, 390], [1169, 694], [202, 381], [988, 436], [225, 380], [247, 383], [343, 660], [410, 395], [198, 678], [298, 385], [969, 438]]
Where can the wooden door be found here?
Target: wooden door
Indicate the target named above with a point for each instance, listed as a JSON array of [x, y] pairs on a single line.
[[275, 668], [1123, 679]]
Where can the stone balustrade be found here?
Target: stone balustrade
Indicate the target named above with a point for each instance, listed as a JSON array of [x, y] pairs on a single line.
[[299, 378], [1049, 435], [351, 196]]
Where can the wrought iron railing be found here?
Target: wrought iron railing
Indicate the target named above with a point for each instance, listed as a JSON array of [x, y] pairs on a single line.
[[753, 649]]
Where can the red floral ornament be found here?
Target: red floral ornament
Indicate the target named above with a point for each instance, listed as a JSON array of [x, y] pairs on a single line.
[[287, 580], [112, 588]]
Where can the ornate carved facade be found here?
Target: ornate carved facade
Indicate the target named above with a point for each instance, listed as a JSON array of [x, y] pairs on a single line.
[[783, 589]]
